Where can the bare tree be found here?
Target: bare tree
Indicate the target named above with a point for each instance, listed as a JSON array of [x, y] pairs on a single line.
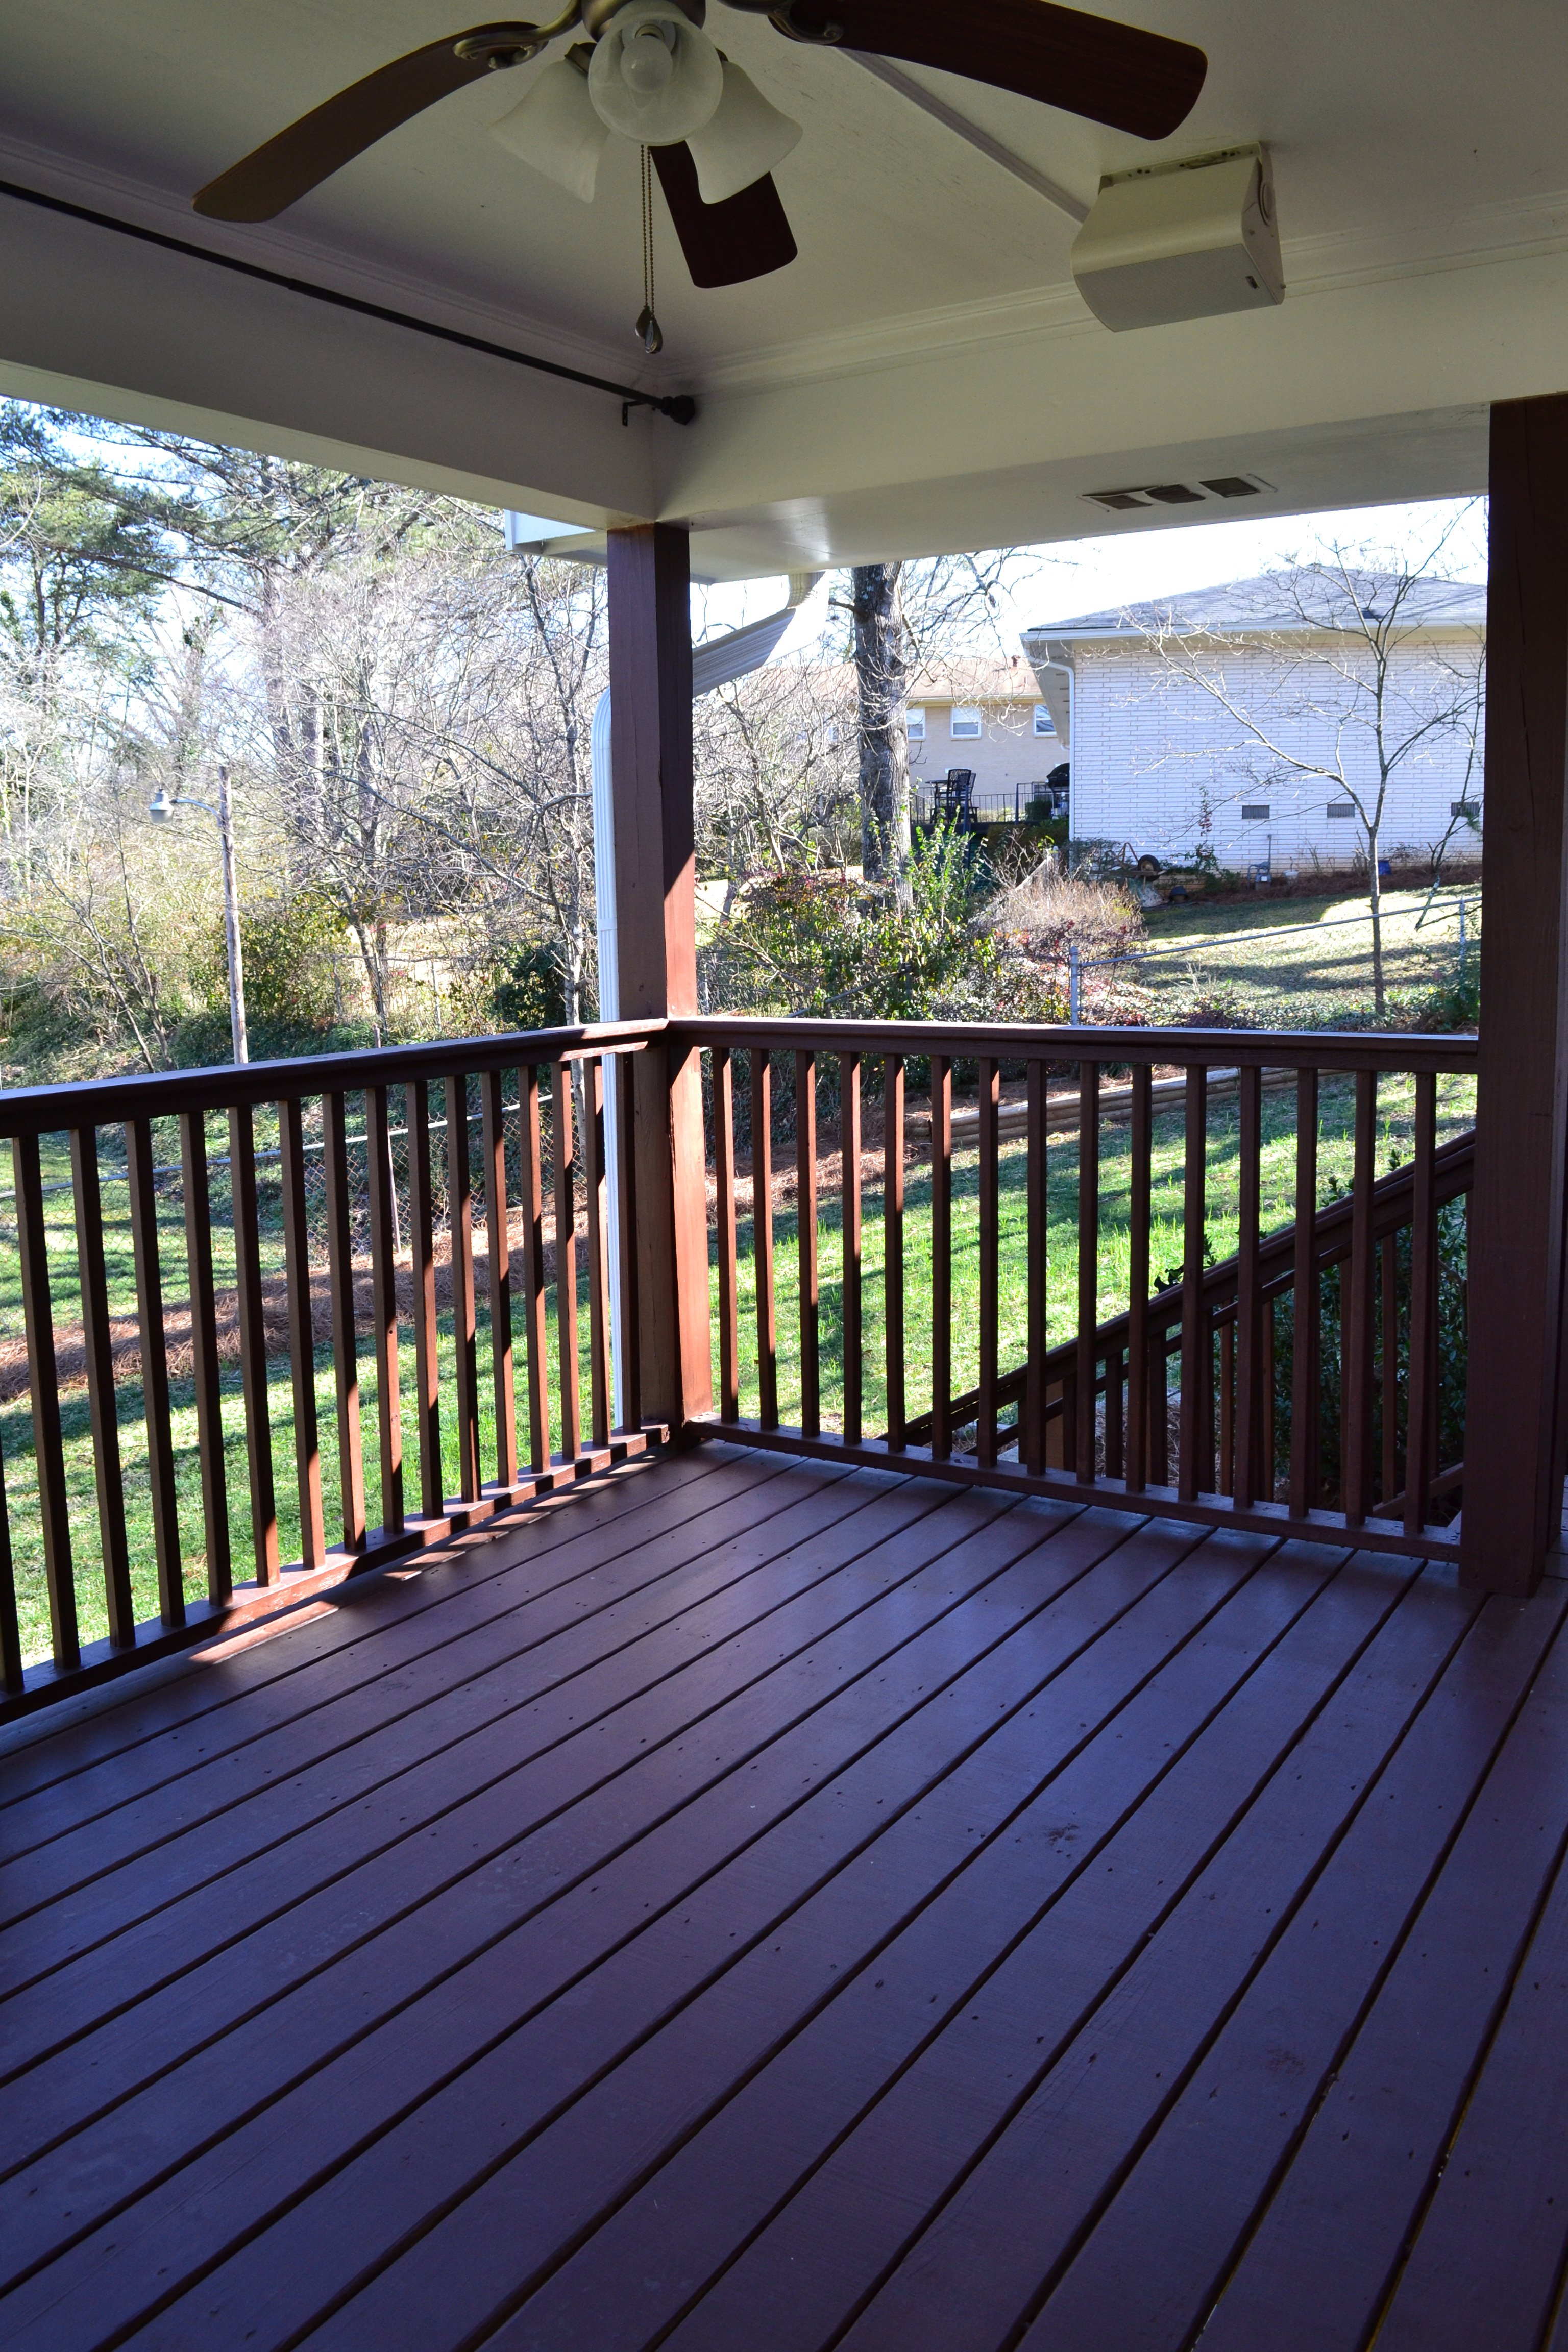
[[1362, 689], [904, 616]]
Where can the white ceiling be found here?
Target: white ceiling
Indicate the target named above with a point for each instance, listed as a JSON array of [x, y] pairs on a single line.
[[923, 375]]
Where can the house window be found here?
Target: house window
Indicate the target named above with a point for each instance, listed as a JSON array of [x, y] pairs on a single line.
[[966, 722], [1254, 812], [1464, 808], [1044, 723], [1342, 808], [915, 721]]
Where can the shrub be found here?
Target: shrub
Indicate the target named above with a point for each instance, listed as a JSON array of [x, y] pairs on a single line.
[[529, 993]]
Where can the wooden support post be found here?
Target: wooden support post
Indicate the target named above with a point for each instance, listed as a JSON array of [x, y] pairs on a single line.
[[656, 915], [1516, 1427]]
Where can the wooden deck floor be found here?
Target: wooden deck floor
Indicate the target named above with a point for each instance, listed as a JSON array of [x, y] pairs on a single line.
[[748, 1907]]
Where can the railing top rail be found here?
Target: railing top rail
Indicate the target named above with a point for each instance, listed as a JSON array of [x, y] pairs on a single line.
[[1306, 1049], [107, 1102]]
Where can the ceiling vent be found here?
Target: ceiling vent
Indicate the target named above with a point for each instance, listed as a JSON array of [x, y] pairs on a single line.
[[1179, 494]]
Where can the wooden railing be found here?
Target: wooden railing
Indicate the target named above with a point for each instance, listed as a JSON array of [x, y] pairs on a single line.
[[1193, 1397], [239, 1250], [1025, 1290]]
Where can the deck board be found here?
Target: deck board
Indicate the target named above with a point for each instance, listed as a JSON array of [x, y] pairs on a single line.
[[749, 1903]]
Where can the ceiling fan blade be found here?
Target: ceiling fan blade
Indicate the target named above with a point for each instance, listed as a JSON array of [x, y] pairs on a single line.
[[725, 245], [276, 174], [1112, 73]]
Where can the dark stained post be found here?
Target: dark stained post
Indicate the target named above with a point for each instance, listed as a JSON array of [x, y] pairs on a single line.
[[656, 915], [1516, 1430]]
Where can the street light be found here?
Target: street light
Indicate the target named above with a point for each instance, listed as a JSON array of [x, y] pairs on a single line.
[[160, 808]]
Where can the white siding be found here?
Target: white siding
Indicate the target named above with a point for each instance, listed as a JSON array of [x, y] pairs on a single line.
[[1159, 764]]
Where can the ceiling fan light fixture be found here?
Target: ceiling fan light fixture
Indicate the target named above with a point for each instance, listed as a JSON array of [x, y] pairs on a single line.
[[557, 131], [743, 137], [653, 77]]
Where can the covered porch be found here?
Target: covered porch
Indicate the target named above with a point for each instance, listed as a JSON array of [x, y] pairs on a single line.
[[761, 1902], [877, 1770]]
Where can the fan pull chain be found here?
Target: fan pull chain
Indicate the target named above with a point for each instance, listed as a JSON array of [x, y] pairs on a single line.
[[650, 331]]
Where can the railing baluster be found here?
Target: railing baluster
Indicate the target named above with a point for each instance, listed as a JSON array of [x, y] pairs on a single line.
[[465, 1317], [533, 1298], [724, 1187], [1246, 1466], [1269, 1440], [204, 1351], [1140, 1184], [629, 1371], [345, 1347], [154, 1372], [302, 1338], [1357, 1335], [426, 1364], [498, 1233], [253, 1344], [763, 1238], [1032, 1450], [1388, 1367], [893, 1241], [598, 1251], [48, 1440], [990, 1262], [807, 1240], [566, 1266], [383, 1305], [1306, 1482], [1114, 1451], [1421, 1416], [1159, 1405], [940, 1256], [101, 1400], [1225, 1479], [1194, 1468], [850, 1130], [13, 1677], [1088, 1270]]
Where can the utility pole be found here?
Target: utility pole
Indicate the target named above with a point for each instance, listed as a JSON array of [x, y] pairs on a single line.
[[160, 808]]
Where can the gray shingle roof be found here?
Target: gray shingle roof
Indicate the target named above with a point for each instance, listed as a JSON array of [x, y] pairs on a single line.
[[1274, 600]]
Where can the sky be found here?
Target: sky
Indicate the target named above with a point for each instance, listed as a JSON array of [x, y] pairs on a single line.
[[1129, 567]]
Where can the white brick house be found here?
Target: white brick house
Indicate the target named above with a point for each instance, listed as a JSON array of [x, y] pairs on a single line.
[[1160, 762]]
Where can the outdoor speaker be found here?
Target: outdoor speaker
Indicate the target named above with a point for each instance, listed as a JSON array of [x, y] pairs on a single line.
[[1182, 241]]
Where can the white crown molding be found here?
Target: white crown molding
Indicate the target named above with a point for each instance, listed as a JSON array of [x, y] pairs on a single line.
[[1315, 265], [285, 249], [1323, 263]]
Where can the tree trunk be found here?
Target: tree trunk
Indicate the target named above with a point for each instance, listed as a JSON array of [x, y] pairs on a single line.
[[881, 671], [1373, 845]]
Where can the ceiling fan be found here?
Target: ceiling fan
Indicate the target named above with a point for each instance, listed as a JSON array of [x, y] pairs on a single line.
[[648, 72]]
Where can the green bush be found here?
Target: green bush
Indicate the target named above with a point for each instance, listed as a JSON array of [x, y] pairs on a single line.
[[529, 993], [288, 947], [815, 942]]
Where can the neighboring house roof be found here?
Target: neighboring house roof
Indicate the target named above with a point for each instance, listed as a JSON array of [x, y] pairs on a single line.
[[960, 681], [975, 681], [1267, 606]]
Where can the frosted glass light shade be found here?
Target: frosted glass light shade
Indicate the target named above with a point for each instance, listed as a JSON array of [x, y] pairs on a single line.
[[557, 131], [743, 137], [673, 108]]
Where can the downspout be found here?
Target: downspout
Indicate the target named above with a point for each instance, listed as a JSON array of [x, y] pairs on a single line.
[[712, 665], [1064, 670]]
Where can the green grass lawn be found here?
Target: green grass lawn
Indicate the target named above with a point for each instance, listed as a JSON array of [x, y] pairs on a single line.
[[1320, 977], [1455, 1099]]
